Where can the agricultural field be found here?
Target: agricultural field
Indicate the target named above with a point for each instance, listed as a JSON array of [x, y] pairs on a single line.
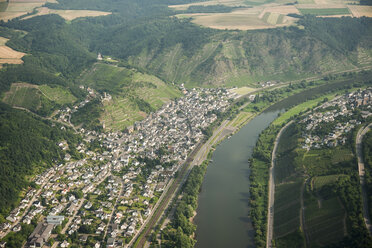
[[287, 208], [287, 166], [23, 95], [325, 220], [68, 15], [242, 90], [16, 8], [359, 11], [57, 94], [317, 162], [263, 14], [243, 19], [133, 94], [39, 99], [325, 12], [8, 55], [319, 182]]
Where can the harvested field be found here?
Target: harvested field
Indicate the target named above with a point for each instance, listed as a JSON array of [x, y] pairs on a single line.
[[69, 15], [9, 53], [244, 19], [232, 3], [22, 6], [262, 14], [6, 16], [3, 41], [284, 10], [359, 11]]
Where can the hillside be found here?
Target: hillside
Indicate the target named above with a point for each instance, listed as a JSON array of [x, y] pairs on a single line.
[[132, 94], [28, 146], [41, 99]]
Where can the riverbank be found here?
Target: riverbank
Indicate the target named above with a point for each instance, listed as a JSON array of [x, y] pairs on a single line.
[[262, 103]]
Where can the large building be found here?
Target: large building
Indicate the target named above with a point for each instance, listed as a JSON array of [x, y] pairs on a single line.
[[40, 235]]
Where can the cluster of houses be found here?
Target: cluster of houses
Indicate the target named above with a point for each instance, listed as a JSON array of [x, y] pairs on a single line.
[[340, 114], [121, 204]]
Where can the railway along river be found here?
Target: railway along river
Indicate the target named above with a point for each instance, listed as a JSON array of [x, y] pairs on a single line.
[[223, 212]]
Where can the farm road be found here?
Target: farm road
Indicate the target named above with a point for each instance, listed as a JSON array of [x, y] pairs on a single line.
[[361, 170], [270, 206]]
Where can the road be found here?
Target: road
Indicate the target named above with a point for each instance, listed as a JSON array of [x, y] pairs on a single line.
[[359, 152], [270, 206], [113, 210]]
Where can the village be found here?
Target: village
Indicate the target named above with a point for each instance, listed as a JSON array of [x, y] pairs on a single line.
[[329, 124], [109, 193]]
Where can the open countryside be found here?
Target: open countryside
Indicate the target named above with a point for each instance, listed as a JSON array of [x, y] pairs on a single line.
[[250, 15], [131, 124]]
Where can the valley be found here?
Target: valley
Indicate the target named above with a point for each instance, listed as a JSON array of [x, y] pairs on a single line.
[[153, 123]]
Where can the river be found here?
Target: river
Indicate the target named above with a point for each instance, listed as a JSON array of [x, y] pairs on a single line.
[[223, 205]]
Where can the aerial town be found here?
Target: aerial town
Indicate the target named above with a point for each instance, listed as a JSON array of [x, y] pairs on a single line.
[[111, 191], [329, 124]]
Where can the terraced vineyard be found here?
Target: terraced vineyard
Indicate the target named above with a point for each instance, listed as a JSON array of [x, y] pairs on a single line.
[[134, 94], [287, 208], [325, 220]]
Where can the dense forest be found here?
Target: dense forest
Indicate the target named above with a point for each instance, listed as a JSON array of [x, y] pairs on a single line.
[[367, 156]]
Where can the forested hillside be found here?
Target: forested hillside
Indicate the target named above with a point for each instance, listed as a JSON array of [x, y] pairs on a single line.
[[27, 146], [145, 35]]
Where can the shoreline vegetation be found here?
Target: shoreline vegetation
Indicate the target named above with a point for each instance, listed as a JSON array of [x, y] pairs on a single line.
[[323, 89], [261, 160]]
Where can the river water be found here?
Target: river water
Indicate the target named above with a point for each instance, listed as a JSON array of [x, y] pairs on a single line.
[[223, 207], [222, 214]]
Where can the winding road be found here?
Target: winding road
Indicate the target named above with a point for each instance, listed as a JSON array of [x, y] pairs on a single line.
[[270, 206], [359, 152]]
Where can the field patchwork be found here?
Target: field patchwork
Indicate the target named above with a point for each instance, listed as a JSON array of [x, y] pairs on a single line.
[[8, 55], [16, 8], [68, 15], [34, 97], [359, 11], [263, 14]]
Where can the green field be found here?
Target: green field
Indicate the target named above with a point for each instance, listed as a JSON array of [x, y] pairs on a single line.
[[287, 208], [286, 166], [283, 118], [318, 162], [134, 94], [26, 97], [324, 220], [39, 99], [320, 181], [325, 12], [241, 119], [57, 94]]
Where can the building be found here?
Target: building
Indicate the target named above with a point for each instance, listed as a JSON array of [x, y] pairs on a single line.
[[40, 235], [55, 219]]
